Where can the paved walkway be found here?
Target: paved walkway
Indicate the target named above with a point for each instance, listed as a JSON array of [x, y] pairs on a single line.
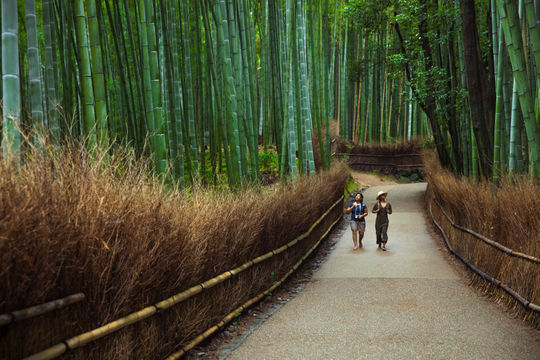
[[406, 303]]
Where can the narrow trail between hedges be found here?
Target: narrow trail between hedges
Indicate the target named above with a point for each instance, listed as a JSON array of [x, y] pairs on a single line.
[[406, 303]]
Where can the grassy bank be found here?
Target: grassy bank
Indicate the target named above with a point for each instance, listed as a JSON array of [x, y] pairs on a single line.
[[507, 214], [69, 225]]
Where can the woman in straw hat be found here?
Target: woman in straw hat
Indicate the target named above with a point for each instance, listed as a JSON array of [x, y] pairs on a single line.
[[382, 208]]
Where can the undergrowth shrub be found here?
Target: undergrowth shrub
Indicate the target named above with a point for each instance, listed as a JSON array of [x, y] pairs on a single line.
[[103, 227], [507, 214]]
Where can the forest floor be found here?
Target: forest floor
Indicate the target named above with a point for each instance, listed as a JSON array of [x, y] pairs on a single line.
[[409, 302]]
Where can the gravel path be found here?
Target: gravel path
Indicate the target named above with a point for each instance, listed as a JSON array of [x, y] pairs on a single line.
[[406, 303]]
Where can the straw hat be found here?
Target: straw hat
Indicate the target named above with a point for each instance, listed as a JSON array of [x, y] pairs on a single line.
[[381, 193]]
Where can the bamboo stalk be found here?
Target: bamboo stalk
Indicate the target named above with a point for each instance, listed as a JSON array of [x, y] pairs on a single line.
[[41, 309], [85, 74], [189, 110], [34, 68], [292, 130], [497, 168], [508, 12], [304, 91], [50, 78], [98, 79], [514, 130], [85, 338], [11, 99], [230, 124], [158, 135]]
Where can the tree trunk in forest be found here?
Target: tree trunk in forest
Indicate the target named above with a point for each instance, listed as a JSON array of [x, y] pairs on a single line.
[[481, 90], [454, 126], [428, 105]]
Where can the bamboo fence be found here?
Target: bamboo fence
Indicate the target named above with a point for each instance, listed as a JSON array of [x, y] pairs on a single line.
[[87, 337], [526, 303], [36, 310], [248, 303], [381, 161], [495, 244]]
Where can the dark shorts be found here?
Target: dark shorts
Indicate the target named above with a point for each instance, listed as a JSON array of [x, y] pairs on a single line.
[[358, 225]]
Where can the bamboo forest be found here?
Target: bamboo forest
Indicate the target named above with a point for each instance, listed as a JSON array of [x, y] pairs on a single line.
[[200, 86], [270, 179]]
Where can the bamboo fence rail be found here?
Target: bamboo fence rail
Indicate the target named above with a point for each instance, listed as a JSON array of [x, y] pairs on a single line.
[[495, 244], [248, 303], [87, 337], [40, 309], [526, 303]]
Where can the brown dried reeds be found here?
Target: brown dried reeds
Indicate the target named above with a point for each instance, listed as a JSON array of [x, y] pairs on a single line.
[[103, 227], [414, 146], [507, 214]]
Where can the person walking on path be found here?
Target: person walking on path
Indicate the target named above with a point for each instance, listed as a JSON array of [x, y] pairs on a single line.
[[358, 211], [382, 208]]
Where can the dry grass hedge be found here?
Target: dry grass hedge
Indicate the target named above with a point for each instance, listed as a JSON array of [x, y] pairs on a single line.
[[345, 146], [507, 214], [69, 225]]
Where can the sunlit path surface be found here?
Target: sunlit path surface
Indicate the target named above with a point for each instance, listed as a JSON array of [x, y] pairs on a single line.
[[406, 303]]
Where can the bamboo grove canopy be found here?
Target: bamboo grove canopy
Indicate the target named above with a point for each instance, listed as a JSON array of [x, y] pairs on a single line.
[[200, 85], [471, 66]]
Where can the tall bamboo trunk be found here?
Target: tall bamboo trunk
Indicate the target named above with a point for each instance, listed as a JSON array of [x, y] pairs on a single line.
[[304, 97], [512, 36], [85, 73], [11, 115], [231, 119], [292, 131], [34, 70], [50, 77], [481, 94], [189, 107], [97, 75], [499, 120]]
